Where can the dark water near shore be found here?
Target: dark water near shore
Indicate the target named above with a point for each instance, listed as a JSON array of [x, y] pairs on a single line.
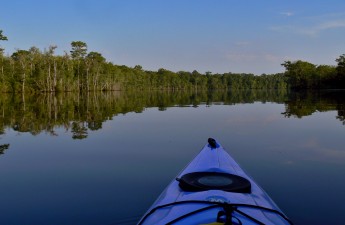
[[103, 158]]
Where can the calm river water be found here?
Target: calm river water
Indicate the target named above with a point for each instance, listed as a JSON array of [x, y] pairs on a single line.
[[103, 158]]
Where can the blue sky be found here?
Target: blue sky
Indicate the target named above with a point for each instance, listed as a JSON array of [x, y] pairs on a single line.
[[251, 36]]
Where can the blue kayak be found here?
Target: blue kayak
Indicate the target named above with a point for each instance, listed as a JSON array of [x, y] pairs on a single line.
[[213, 190]]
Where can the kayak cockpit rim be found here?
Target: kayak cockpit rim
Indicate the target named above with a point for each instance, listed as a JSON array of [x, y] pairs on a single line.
[[204, 181]]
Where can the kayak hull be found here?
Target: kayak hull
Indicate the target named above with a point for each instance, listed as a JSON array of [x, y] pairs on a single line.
[[207, 206]]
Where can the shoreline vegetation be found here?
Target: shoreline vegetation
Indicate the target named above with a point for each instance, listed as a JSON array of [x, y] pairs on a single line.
[[35, 71]]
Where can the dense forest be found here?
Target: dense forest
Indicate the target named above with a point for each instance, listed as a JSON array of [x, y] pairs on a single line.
[[36, 70]]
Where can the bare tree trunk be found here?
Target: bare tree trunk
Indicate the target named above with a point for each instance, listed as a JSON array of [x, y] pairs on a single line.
[[24, 77], [78, 77], [87, 79], [2, 67], [23, 82], [23, 99], [31, 69], [48, 78], [55, 75]]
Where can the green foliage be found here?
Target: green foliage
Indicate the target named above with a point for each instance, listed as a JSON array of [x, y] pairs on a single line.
[[2, 37], [304, 75], [341, 71], [79, 49], [301, 74]]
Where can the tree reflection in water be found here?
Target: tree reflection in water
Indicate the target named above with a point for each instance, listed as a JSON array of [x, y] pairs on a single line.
[[3, 148], [83, 112]]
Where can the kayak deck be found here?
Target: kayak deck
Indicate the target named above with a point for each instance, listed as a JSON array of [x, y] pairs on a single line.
[[214, 202]]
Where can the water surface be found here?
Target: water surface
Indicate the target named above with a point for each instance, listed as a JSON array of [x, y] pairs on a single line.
[[103, 158]]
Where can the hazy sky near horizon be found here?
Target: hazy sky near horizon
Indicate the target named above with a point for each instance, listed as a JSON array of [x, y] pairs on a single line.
[[249, 36]]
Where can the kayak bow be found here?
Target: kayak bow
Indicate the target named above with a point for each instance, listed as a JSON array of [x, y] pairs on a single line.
[[214, 190]]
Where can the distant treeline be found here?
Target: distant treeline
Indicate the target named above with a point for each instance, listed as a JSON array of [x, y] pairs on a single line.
[[34, 70]]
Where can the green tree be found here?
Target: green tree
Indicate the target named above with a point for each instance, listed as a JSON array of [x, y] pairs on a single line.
[[79, 49], [22, 58], [52, 68], [327, 75], [138, 67], [301, 74], [341, 70], [94, 63], [78, 52], [2, 38], [36, 61]]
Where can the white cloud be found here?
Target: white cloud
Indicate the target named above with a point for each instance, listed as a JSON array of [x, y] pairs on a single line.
[[287, 13], [257, 57], [318, 152], [317, 29], [313, 30], [242, 43]]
